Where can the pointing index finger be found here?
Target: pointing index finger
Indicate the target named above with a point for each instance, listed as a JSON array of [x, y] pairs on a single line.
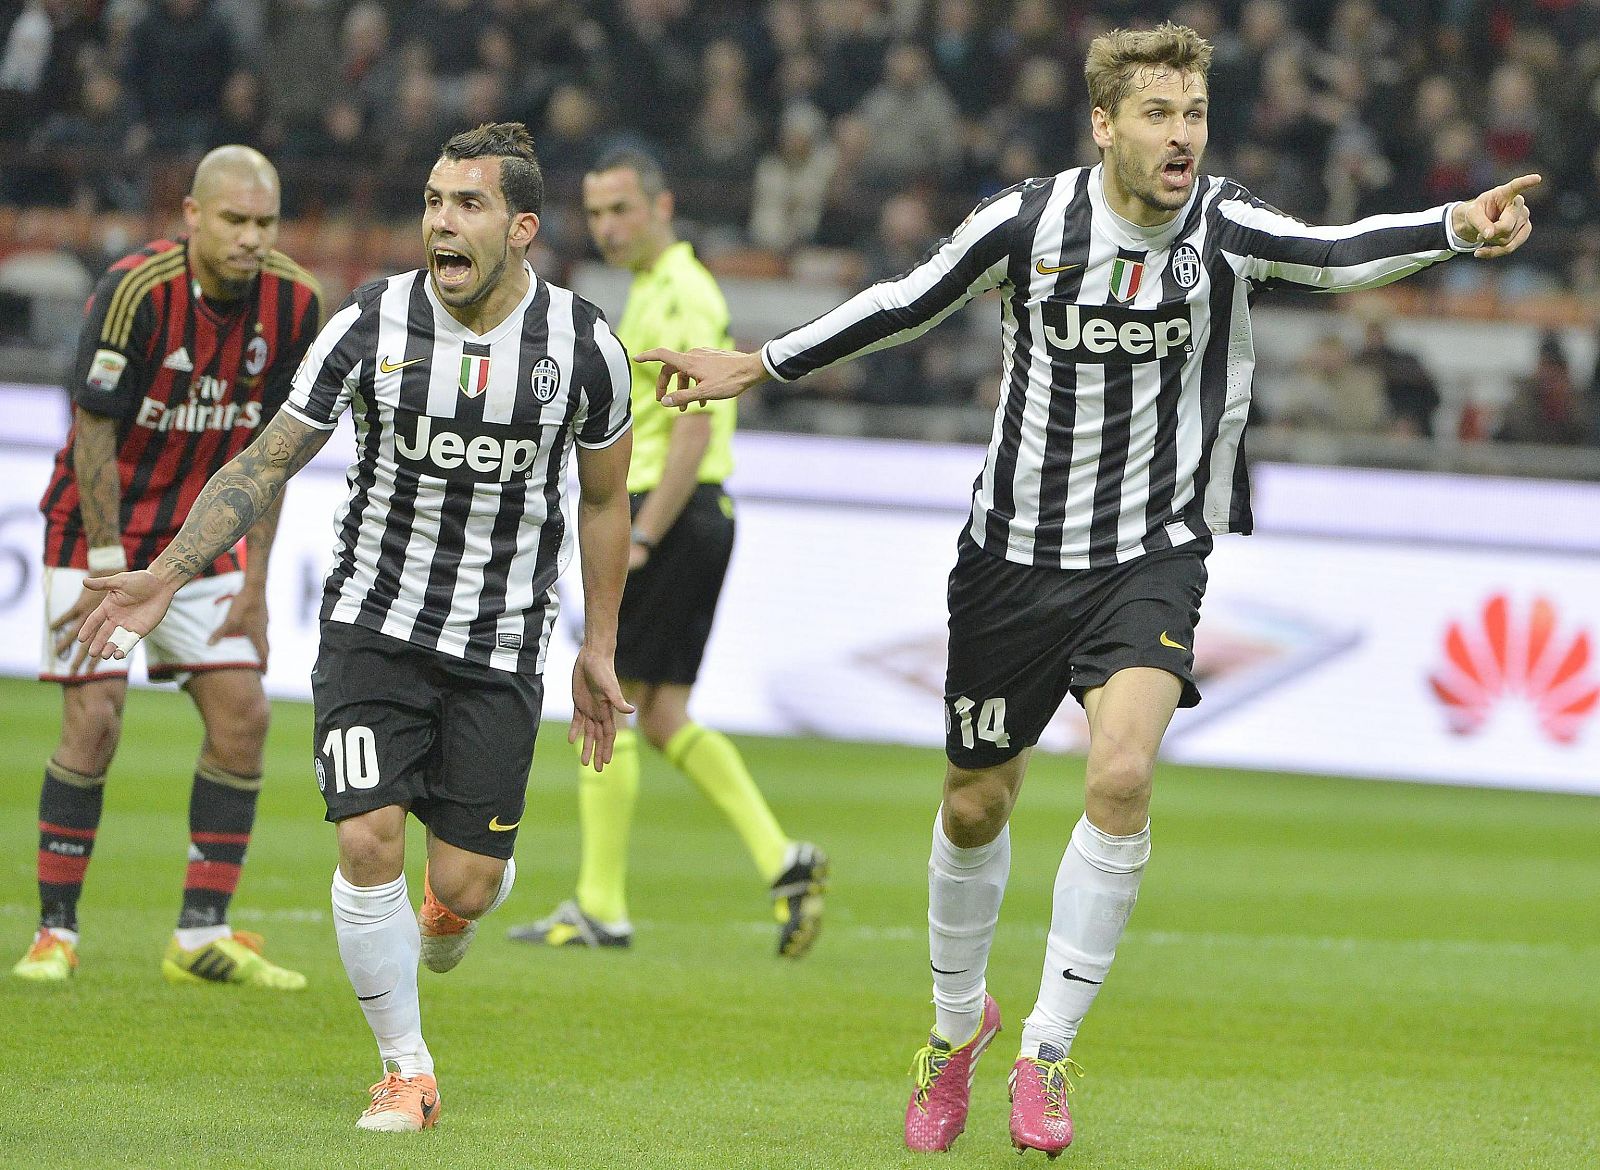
[[1520, 184]]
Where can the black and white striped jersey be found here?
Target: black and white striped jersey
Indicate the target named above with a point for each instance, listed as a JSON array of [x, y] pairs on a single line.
[[452, 535], [1126, 353]]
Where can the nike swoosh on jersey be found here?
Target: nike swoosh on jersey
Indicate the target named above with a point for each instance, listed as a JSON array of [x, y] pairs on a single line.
[[1166, 641], [1044, 269], [385, 366], [496, 827]]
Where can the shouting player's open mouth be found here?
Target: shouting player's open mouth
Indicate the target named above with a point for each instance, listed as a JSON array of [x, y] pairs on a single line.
[[1178, 173], [451, 269]]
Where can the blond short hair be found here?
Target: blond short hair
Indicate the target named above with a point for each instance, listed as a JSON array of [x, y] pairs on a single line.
[[1117, 56]]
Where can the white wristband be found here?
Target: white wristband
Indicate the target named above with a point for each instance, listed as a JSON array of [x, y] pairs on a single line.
[[110, 558]]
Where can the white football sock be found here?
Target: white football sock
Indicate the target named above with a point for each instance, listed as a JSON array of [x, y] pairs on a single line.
[[192, 938], [1096, 887], [965, 887], [380, 945], [507, 880]]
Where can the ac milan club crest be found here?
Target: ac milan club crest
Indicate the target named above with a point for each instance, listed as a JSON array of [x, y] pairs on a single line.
[[474, 374]]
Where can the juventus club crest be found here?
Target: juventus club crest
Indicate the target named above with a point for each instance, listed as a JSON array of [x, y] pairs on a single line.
[[474, 374], [1126, 276], [546, 379], [1185, 266]]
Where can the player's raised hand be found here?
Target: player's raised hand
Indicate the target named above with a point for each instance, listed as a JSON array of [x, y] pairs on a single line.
[[133, 604], [1498, 220], [702, 374], [597, 700]]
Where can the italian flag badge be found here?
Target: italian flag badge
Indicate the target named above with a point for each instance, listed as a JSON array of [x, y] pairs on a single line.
[[474, 374], [1125, 278]]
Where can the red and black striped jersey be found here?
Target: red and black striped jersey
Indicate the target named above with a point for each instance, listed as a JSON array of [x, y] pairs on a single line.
[[189, 382]]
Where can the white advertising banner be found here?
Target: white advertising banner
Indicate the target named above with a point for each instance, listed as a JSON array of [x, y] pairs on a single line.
[[1379, 624]]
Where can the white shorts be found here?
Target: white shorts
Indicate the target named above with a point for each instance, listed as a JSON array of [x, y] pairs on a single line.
[[173, 650]]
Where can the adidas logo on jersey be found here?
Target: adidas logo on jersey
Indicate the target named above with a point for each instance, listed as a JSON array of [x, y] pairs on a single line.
[[1112, 335], [178, 359], [463, 455]]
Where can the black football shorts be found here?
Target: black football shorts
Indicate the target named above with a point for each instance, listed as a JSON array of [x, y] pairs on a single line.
[[668, 604], [449, 739], [1021, 637]]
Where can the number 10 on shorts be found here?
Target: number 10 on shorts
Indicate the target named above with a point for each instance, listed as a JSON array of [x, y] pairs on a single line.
[[353, 752], [989, 726]]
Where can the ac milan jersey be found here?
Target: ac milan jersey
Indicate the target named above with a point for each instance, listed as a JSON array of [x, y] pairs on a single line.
[[1126, 354], [452, 535], [188, 380]]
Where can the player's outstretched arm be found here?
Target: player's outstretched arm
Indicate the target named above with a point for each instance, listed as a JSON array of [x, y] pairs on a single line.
[[232, 501], [603, 527], [1498, 220], [703, 374]]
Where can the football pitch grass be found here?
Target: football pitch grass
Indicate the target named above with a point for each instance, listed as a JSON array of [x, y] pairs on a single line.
[[1321, 973]]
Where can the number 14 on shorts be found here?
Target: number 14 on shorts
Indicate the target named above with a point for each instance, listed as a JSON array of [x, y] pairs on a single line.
[[990, 724]]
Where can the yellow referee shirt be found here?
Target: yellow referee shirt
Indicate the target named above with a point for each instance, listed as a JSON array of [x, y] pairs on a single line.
[[676, 304]]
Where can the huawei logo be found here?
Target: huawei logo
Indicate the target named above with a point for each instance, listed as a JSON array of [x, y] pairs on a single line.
[[1506, 654]]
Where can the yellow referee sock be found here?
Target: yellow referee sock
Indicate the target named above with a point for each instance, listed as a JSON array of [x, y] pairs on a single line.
[[605, 814], [709, 759]]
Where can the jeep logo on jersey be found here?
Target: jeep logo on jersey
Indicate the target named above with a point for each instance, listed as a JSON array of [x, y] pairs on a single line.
[[1111, 335], [474, 374], [1185, 266], [463, 451], [546, 379]]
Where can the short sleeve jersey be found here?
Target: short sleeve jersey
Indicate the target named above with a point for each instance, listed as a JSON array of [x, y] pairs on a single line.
[[453, 534], [677, 304], [189, 382]]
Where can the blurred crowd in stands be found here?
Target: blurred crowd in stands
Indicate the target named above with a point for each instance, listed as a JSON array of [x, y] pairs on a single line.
[[837, 139]]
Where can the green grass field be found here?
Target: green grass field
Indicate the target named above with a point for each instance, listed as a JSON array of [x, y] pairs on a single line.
[[1321, 973]]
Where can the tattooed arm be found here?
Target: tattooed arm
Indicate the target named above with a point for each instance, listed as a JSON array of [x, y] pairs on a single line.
[[236, 499], [94, 462]]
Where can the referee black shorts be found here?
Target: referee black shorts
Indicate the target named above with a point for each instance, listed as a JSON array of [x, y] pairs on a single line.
[[1021, 637], [669, 603], [401, 724]]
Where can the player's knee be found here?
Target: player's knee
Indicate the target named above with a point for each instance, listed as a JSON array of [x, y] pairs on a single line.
[[371, 850], [1119, 772], [656, 728], [976, 806], [91, 728], [467, 894], [236, 741]]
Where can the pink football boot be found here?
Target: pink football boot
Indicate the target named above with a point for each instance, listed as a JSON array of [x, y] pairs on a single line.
[[1039, 1088], [937, 1111]]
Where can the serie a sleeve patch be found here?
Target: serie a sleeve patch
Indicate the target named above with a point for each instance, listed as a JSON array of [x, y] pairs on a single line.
[[105, 371]]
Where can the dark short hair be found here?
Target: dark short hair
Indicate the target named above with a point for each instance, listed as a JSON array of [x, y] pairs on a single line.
[[521, 181], [652, 179]]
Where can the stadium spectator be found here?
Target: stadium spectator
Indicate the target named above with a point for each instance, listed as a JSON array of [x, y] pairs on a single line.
[[428, 687], [683, 529], [179, 57], [93, 149], [1329, 391], [964, 58], [792, 181], [1544, 406], [369, 70], [1082, 566], [186, 352], [41, 42], [850, 38], [1411, 392], [908, 119], [242, 116], [300, 55]]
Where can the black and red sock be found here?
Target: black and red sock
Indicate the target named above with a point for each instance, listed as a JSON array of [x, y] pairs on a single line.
[[69, 817], [222, 811]]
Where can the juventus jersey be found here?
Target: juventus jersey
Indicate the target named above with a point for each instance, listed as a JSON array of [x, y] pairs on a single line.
[[452, 535], [1126, 353]]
